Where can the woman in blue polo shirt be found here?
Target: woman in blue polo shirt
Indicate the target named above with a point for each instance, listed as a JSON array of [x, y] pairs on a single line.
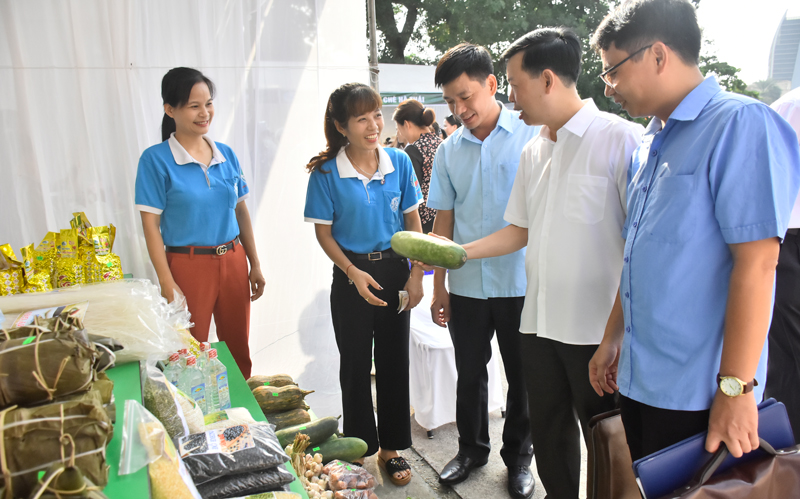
[[359, 195], [190, 191]]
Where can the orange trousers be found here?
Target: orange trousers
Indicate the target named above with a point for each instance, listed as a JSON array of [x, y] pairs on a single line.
[[218, 285]]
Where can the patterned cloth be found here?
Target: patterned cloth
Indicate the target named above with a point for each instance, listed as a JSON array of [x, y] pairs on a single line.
[[425, 147]]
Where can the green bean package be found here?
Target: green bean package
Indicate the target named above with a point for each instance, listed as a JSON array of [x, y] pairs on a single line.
[[233, 450], [246, 483], [46, 365], [34, 439]]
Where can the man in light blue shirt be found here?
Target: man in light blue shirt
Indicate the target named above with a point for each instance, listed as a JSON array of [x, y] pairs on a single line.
[[473, 172], [712, 187]]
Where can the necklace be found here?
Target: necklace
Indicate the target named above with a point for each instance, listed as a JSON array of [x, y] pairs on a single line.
[[377, 158]]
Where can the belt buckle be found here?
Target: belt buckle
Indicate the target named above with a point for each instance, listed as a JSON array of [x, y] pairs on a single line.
[[379, 257], [221, 250]]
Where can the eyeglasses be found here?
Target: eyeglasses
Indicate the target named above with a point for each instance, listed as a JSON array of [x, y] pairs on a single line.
[[604, 74]]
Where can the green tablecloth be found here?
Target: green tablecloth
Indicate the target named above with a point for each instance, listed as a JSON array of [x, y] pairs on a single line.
[[127, 385]]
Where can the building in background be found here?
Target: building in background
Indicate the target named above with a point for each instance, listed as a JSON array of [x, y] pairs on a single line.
[[784, 57]]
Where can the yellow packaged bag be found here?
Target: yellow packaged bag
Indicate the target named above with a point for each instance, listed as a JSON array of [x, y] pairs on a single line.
[[69, 268], [107, 265], [11, 281], [36, 281]]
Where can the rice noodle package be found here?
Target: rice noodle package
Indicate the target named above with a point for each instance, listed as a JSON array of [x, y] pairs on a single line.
[[36, 438], [11, 280]]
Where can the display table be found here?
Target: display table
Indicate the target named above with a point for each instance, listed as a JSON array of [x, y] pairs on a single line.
[[127, 386]]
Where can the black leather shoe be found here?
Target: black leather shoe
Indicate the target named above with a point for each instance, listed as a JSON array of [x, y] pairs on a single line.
[[520, 482], [458, 469]]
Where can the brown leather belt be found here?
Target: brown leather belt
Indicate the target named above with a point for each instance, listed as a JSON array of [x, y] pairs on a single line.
[[200, 250]]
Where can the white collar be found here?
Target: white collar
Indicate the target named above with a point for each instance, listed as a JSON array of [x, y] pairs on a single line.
[[578, 124], [182, 157], [346, 169]]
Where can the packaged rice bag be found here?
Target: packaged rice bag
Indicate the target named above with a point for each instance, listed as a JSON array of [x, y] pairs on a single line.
[[44, 255], [233, 450], [11, 281], [36, 281], [355, 494], [344, 475], [69, 267], [271, 479], [106, 265]]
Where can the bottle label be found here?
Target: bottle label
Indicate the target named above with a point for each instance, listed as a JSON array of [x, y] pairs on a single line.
[[199, 394], [222, 387]]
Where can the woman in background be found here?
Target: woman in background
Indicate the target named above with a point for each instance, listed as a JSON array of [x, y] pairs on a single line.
[[451, 124], [413, 127], [359, 195], [190, 191]]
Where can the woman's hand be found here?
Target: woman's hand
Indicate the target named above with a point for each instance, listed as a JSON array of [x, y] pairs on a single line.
[[257, 283], [362, 281], [171, 291], [414, 288]]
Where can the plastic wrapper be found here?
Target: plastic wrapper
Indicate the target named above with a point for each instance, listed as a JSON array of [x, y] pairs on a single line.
[[11, 280], [44, 255], [342, 475], [233, 450], [52, 358], [36, 438], [131, 311], [69, 267], [36, 280], [145, 442], [160, 397], [228, 417], [246, 483], [355, 494]]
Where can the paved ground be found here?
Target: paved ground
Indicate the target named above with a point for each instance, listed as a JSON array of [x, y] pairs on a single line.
[[427, 457]]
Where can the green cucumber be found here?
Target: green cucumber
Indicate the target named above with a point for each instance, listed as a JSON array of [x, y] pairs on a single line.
[[318, 431], [429, 249], [346, 449]]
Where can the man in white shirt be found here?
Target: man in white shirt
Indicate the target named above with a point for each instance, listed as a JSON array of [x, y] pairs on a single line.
[[783, 368], [568, 204]]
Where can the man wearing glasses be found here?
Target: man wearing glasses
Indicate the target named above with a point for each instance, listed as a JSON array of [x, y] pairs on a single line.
[[712, 187]]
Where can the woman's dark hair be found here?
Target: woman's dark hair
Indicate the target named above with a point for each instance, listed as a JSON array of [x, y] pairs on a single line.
[[556, 49], [176, 86], [473, 60], [413, 111], [351, 99], [454, 120], [635, 23]]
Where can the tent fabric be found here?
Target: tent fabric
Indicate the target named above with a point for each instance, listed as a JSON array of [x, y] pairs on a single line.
[[81, 101]]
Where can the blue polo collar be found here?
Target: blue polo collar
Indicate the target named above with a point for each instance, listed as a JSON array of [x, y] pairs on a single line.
[[184, 158], [691, 105], [504, 121]]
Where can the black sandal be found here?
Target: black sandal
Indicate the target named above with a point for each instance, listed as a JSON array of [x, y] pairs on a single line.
[[395, 465]]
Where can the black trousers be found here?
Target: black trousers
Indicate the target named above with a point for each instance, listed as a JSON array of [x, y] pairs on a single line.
[[472, 325], [783, 369], [561, 402], [357, 324], [650, 429]]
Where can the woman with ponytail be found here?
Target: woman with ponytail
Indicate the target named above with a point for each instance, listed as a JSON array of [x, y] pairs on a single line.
[[190, 191], [414, 128], [359, 195]]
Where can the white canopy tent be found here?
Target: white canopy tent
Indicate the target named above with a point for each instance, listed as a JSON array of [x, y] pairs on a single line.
[[81, 100]]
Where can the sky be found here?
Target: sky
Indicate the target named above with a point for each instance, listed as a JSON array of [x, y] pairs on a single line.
[[743, 30]]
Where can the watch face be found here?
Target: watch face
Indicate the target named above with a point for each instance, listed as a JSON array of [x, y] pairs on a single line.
[[730, 387]]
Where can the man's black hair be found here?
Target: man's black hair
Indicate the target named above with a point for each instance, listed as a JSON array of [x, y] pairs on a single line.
[[636, 23], [556, 49], [473, 60]]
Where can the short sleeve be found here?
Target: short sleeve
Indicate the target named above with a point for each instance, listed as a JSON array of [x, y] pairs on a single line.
[[410, 192], [151, 185], [517, 209], [319, 203], [244, 189], [441, 194], [754, 175]]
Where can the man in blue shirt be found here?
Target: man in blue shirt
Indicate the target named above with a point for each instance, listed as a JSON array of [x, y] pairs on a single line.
[[712, 187], [473, 172]]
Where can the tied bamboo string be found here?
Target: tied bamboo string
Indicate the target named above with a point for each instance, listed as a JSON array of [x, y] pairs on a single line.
[[3, 461], [39, 376]]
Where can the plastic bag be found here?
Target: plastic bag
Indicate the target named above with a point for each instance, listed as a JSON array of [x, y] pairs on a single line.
[[272, 479], [342, 475], [228, 417], [132, 311], [355, 494], [233, 450], [145, 442], [161, 399]]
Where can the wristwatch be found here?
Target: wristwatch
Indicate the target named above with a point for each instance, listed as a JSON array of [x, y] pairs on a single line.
[[733, 386]]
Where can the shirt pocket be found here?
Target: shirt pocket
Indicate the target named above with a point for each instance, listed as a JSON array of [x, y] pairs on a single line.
[[391, 208], [671, 211], [586, 198]]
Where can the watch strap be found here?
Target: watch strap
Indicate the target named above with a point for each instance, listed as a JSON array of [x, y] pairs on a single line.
[[747, 387]]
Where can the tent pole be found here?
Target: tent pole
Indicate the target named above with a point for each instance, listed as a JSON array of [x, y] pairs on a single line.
[[373, 47]]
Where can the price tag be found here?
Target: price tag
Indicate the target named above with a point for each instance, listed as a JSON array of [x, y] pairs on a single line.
[[315, 449], [29, 340]]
